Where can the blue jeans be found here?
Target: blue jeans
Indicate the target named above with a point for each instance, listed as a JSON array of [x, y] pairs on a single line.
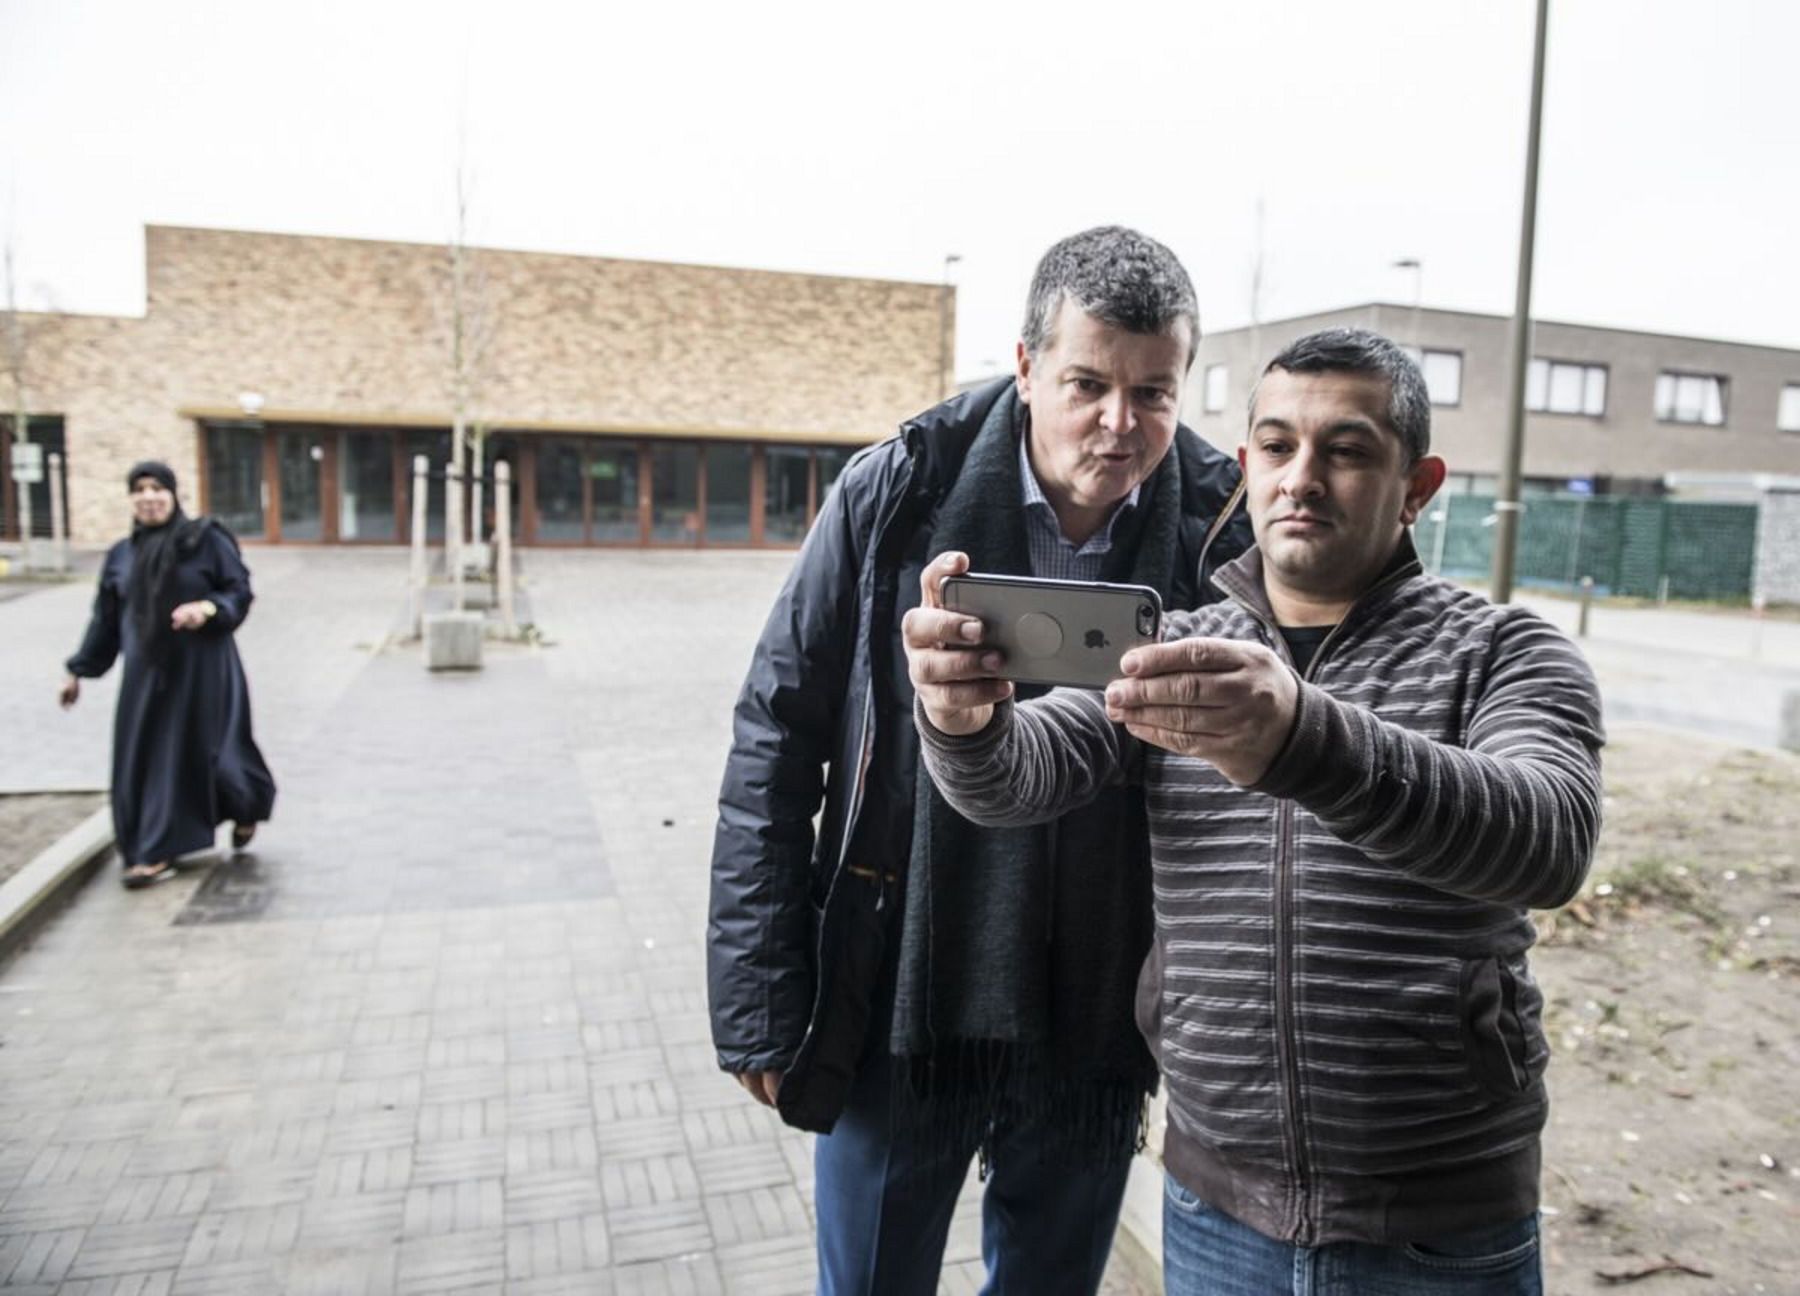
[[1208, 1253], [884, 1202]]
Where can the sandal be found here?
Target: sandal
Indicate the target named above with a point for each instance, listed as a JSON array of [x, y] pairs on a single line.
[[139, 876], [241, 833]]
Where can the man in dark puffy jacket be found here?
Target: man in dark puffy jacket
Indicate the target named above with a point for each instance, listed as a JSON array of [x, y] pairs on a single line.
[[916, 989]]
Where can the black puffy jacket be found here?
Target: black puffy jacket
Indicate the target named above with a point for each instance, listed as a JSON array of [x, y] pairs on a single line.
[[800, 920]]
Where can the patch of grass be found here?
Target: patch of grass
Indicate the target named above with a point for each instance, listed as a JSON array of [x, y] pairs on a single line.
[[1660, 881]]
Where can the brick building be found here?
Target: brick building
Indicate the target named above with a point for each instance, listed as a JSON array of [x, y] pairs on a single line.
[[290, 381]]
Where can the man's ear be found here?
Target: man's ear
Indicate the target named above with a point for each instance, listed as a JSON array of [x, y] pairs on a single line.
[[1243, 457], [1022, 368], [1421, 484]]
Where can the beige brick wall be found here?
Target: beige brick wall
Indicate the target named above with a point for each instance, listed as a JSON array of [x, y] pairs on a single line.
[[357, 329]]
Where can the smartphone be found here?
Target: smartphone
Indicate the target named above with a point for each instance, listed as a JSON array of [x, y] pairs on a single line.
[[1058, 631]]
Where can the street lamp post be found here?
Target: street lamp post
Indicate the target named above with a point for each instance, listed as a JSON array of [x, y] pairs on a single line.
[[1418, 279], [1506, 504], [950, 259]]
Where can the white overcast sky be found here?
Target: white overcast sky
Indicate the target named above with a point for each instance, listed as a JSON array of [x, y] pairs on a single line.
[[872, 140]]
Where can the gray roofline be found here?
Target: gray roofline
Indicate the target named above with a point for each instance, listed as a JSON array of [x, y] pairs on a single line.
[[1406, 309]]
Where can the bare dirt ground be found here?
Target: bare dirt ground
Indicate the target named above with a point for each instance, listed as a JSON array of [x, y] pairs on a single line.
[[1672, 1161], [32, 821]]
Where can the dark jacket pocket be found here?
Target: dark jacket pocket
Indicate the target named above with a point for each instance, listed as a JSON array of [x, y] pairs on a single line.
[[1499, 1026], [851, 940]]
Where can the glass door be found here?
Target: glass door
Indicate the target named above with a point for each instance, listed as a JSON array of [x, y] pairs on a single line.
[[613, 476], [727, 494], [560, 499], [234, 479], [675, 493], [785, 470], [298, 456], [366, 487], [435, 446]]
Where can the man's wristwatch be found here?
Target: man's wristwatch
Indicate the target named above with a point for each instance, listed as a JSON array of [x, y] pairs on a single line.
[[210, 608]]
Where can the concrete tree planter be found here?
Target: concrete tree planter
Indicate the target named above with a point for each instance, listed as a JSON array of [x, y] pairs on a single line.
[[453, 640]]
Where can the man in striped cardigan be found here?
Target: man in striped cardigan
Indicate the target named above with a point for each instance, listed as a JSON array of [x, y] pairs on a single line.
[[1359, 777]]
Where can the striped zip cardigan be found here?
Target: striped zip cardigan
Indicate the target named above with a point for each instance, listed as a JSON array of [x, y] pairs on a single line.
[[1338, 993]]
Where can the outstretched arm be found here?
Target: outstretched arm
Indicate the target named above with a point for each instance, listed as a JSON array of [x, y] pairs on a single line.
[[1512, 817]]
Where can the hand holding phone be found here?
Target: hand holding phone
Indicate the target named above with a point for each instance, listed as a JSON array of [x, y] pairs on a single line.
[[1063, 632], [957, 688]]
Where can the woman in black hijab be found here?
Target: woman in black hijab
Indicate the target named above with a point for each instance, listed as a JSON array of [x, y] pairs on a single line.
[[184, 760]]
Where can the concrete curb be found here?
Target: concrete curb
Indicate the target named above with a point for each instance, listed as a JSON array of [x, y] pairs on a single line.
[[30, 894]]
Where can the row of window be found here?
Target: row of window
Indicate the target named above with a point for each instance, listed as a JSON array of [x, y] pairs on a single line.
[[1565, 387], [305, 482]]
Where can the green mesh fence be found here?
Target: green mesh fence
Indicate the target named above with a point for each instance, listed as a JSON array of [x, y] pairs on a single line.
[[1629, 546]]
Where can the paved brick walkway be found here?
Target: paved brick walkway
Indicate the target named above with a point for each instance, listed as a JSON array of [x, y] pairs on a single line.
[[444, 1030]]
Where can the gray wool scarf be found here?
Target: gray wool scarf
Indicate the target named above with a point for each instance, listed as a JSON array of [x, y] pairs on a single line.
[[1020, 947]]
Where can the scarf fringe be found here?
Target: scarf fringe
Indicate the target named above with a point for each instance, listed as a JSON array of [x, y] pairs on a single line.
[[972, 1092]]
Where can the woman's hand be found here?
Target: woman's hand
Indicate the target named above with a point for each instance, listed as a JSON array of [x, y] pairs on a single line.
[[71, 690], [191, 616]]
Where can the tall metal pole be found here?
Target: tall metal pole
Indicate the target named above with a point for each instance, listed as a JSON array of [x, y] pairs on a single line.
[[1506, 505], [1418, 289]]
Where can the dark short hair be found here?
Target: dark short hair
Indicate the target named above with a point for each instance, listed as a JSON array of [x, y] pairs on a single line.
[[1118, 276], [1358, 350]]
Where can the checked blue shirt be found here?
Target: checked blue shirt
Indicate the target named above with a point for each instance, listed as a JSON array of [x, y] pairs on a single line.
[[1053, 555]]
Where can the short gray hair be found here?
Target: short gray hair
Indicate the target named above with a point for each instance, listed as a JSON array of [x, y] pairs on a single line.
[[1358, 350], [1118, 276]]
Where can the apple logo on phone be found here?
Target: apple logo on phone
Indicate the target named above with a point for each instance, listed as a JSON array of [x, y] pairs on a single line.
[[1096, 639]]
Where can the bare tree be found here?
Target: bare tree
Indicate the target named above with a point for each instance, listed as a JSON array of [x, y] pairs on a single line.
[[15, 349], [466, 320]]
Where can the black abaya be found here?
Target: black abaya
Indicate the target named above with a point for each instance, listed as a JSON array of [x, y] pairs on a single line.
[[184, 760]]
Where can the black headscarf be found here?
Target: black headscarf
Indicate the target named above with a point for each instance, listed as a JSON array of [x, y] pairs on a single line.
[[156, 552]]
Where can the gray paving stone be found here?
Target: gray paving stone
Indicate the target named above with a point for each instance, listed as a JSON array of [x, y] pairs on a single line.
[[550, 1248], [734, 1169], [41, 1257], [135, 1200], [355, 1221], [350, 1174], [460, 1206], [465, 1262], [757, 1214], [552, 1195], [451, 1122], [457, 1161], [769, 1267], [110, 1250], [663, 1231], [444, 1029], [696, 1274], [254, 1233], [160, 1283], [369, 1272], [231, 1277], [622, 1140]]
